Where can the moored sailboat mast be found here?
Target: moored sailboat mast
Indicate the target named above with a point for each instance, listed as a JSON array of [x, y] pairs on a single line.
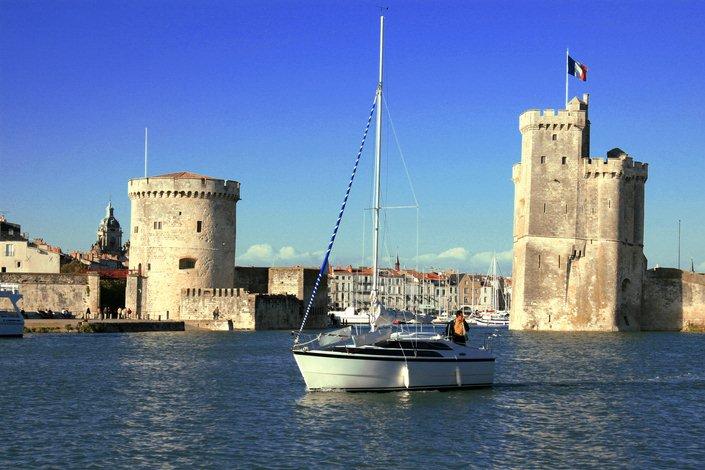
[[374, 294]]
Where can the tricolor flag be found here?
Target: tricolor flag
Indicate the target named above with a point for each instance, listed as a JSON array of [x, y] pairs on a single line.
[[577, 69]]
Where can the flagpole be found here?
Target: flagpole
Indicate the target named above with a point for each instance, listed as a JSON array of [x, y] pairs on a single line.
[[145, 151], [566, 77]]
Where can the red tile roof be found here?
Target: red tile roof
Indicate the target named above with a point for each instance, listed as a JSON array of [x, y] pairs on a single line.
[[184, 175]]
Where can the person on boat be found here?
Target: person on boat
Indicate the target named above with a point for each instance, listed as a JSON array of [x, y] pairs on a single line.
[[457, 329]]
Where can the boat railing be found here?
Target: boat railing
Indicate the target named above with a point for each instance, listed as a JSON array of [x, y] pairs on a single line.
[[12, 288]]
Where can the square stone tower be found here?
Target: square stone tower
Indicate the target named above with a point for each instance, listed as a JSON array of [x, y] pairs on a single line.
[[578, 228]]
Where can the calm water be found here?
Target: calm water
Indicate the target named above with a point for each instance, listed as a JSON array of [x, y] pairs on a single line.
[[236, 400]]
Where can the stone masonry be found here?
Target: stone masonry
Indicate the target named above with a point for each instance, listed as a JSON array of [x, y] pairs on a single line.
[[578, 228], [74, 292]]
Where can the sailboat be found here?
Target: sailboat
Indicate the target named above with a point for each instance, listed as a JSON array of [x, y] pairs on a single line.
[[497, 316], [386, 358]]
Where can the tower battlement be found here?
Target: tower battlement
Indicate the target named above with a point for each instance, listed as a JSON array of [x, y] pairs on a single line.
[[550, 119], [622, 166], [189, 185]]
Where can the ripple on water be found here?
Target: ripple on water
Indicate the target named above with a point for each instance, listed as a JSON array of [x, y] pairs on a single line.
[[236, 400]]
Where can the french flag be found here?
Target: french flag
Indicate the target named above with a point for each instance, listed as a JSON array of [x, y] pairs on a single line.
[[577, 69]]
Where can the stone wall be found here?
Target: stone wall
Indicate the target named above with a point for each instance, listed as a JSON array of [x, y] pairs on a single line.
[[252, 279], [74, 292], [673, 300], [247, 311]]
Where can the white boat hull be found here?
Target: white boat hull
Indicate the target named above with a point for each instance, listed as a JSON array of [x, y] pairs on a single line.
[[11, 325], [327, 370]]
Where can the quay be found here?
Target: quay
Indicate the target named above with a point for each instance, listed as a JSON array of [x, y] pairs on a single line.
[[100, 326]]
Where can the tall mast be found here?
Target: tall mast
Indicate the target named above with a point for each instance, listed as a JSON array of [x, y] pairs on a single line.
[[378, 167]]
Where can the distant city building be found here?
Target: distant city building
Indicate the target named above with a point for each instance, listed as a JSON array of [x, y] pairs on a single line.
[[109, 234], [19, 255], [418, 292], [107, 254]]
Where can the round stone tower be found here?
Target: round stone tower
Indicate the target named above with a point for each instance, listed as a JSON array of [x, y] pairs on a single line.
[[182, 235]]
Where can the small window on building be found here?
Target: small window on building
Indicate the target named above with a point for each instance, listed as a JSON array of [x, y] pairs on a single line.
[[544, 207], [3, 269], [149, 266], [157, 225], [563, 159], [543, 159], [137, 229], [187, 263], [559, 261], [609, 203], [9, 249], [539, 261], [11, 231], [199, 225], [19, 264], [555, 137]]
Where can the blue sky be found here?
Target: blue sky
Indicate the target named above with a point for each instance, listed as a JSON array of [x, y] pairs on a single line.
[[275, 95]]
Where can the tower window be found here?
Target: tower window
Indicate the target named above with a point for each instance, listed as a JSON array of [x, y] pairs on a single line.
[[544, 207], [137, 229], [149, 266], [157, 225], [555, 137], [199, 226], [19, 264], [543, 159], [563, 159], [187, 263], [9, 249], [559, 261], [539, 261]]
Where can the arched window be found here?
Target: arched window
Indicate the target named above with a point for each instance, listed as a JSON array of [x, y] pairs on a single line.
[[187, 263]]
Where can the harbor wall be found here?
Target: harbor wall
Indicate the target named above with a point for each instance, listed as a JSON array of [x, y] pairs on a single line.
[[74, 292], [673, 300], [246, 311]]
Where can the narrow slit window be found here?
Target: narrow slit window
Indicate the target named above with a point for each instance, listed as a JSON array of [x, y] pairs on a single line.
[[544, 207], [555, 137], [543, 159], [563, 160], [539, 261], [137, 229], [199, 226], [187, 263], [559, 261]]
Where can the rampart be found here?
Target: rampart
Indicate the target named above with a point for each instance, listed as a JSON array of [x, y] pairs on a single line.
[[247, 311], [73, 292], [673, 300]]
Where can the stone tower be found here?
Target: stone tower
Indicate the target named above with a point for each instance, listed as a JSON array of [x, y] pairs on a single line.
[[578, 228], [109, 233], [182, 236]]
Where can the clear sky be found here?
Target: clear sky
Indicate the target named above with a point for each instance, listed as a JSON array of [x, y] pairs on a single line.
[[275, 95]]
